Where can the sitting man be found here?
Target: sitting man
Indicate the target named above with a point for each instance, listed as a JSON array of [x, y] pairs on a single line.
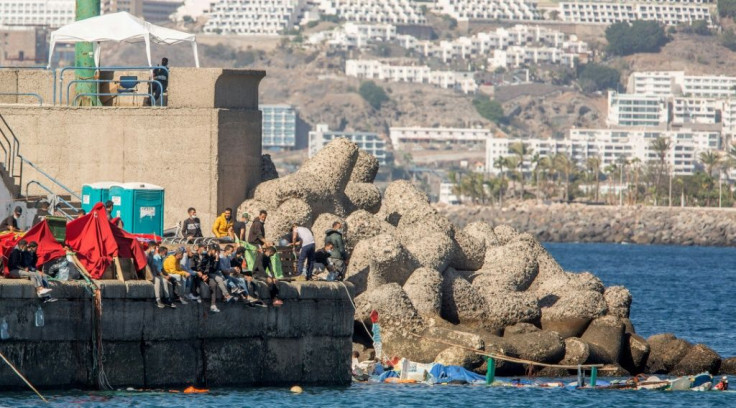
[[323, 261], [162, 76], [222, 228], [189, 263], [11, 222], [263, 271], [22, 264], [64, 269], [177, 275], [162, 282], [235, 280], [210, 266]]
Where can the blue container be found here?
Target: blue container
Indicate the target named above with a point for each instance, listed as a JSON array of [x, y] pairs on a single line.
[[140, 206], [94, 193]]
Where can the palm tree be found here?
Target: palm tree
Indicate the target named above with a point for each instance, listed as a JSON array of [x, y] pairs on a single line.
[[567, 166], [636, 168], [622, 162], [500, 163], [611, 170], [710, 159], [661, 147], [594, 166], [521, 150]]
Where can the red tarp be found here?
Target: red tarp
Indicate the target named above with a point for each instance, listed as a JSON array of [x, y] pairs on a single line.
[[48, 248], [91, 237]]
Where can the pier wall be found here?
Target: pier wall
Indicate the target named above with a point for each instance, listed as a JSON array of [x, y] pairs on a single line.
[[204, 148], [308, 340]]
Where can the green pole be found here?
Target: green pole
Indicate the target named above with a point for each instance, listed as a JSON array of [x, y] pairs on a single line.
[[490, 370], [593, 376], [84, 53]]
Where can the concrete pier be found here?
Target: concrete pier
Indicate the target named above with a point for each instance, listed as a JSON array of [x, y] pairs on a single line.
[[305, 341]]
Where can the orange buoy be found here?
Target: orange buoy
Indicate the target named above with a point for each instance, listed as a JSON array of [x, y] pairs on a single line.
[[192, 390]]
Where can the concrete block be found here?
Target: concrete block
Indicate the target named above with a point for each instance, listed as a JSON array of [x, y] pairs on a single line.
[[240, 362], [124, 363], [139, 289], [124, 320], [70, 290], [235, 320], [323, 362], [170, 324], [285, 362], [16, 289], [288, 290], [317, 290], [63, 320], [172, 363], [112, 289], [45, 365]]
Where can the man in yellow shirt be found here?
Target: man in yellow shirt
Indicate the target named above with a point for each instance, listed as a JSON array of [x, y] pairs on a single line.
[[223, 225], [172, 266]]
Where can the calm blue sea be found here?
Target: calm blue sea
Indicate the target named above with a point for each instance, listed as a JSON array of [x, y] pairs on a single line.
[[684, 290]]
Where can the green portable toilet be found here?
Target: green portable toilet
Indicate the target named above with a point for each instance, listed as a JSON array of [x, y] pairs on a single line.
[[94, 193], [140, 206]]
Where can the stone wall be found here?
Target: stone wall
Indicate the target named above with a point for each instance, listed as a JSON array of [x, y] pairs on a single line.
[[305, 341], [613, 224], [204, 148]]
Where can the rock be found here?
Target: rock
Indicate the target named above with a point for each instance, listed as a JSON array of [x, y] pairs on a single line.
[[390, 261], [700, 358], [362, 225], [504, 234], [332, 165], [666, 351], [424, 290], [362, 196], [605, 336], [433, 341], [618, 301], [292, 211], [399, 198], [629, 325], [253, 208], [483, 233], [513, 266], [576, 352], [323, 223], [542, 346], [457, 356], [506, 308], [461, 302], [365, 169], [469, 253], [428, 218], [268, 169], [728, 366], [571, 313], [635, 353], [520, 328], [394, 308], [431, 249], [584, 281]]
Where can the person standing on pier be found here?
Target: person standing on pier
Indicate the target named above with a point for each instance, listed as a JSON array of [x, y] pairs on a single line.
[[257, 233], [11, 222], [302, 236]]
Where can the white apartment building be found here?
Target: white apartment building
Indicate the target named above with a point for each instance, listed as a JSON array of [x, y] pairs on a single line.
[[676, 83], [594, 12], [515, 57], [447, 194], [355, 36], [370, 142], [53, 13], [254, 17], [373, 69], [636, 110], [402, 137], [610, 144], [484, 43], [374, 11], [686, 111], [278, 126], [474, 10]]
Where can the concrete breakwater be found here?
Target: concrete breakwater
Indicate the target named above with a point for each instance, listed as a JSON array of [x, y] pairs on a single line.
[[586, 223], [305, 341]]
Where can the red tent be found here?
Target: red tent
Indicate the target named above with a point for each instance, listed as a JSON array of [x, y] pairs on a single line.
[[97, 241], [48, 248]]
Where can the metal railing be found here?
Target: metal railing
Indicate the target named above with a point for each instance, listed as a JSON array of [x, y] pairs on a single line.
[[57, 198], [11, 148], [37, 96], [100, 81], [53, 180], [101, 69]]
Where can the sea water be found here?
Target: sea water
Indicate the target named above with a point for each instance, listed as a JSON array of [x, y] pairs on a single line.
[[684, 290]]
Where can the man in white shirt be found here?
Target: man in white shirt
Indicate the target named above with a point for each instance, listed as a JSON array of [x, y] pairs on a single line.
[[303, 237]]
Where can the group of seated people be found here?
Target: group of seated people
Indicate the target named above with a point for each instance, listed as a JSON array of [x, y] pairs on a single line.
[[22, 264], [181, 275]]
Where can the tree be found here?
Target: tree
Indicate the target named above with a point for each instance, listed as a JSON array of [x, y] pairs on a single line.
[[567, 167], [373, 94], [661, 147], [594, 166], [500, 163], [639, 36], [489, 109], [727, 8], [596, 77], [710, 159], [521, 150]]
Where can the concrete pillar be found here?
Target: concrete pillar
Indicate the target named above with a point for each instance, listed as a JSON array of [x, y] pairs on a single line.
[[84, 53]]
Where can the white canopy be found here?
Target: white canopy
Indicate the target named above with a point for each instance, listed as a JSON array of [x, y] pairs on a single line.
[[119, 27]]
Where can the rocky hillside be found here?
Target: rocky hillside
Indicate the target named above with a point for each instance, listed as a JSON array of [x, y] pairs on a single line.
[[586, 223], [442, 290]]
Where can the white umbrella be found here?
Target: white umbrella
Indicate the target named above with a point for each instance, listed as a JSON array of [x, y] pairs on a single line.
[[119, 27]]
